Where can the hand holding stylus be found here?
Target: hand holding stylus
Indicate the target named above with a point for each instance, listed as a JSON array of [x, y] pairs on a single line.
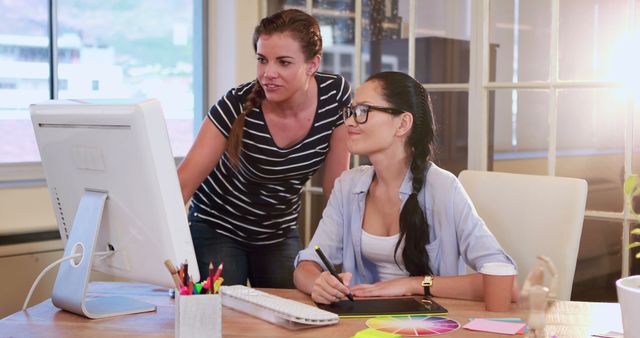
[[328, 289], [341, 287]]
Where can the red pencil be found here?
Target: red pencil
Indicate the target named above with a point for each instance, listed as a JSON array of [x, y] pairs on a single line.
[[181, 275], [210, 278], [218, 272]]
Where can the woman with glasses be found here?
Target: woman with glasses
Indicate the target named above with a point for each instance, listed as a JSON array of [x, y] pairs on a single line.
[[402, 226], [257, 148]]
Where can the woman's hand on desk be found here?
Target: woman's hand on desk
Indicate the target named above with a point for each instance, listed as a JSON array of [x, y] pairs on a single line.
[[404, 286], [327, 289]]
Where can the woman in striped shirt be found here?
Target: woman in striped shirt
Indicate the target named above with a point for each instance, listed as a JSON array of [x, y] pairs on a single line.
[[259, 145]]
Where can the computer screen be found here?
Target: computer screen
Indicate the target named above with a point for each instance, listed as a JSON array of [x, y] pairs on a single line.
[[114, 187]]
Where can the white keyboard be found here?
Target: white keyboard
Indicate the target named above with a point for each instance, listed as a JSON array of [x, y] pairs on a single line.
[[275, 309]]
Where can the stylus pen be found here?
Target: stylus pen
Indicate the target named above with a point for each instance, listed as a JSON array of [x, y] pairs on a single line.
[[332, 269]]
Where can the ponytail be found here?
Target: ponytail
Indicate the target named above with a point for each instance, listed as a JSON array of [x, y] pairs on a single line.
[[234, 146]]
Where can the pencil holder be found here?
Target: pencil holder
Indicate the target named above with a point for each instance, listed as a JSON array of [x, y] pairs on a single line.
[[198, 315]]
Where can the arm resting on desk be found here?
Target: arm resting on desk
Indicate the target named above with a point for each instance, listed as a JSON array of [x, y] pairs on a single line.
[[324, 290], [459, 287]]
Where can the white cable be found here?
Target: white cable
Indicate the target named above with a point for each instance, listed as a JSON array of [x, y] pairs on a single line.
[[43, 272]]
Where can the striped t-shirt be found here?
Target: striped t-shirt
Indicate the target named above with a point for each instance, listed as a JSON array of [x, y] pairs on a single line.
[[259, 202]]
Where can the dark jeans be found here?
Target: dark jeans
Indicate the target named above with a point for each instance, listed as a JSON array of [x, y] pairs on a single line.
[[266, 266]]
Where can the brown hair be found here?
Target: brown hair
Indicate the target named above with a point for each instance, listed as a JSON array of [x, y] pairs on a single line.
[[305, 30]]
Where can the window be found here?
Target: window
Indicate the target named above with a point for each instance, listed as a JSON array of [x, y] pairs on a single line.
[[63, 84], [561, 109], [517, 86], [105, 49], [24, 75]]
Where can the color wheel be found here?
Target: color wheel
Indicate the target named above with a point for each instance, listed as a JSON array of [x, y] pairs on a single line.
[[413, 325]]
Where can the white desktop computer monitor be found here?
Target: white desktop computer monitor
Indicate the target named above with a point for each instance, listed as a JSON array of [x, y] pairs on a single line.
[[114, 187]]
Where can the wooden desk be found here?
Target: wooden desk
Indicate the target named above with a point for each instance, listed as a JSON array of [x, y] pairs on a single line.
[[564, 319]]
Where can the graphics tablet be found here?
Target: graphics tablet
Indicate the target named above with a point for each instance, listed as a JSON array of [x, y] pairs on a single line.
[[385, 306]]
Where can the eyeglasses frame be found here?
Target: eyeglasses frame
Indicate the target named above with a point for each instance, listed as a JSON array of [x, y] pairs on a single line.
[[352, 109]]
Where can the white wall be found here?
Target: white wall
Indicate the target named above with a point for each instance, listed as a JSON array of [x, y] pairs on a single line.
[[232, 50], [25, 209]]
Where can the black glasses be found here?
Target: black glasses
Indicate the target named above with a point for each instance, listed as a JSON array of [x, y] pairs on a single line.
[[360, 112]]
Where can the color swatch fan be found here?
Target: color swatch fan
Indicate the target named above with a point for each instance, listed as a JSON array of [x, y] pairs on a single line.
[[413, 325]]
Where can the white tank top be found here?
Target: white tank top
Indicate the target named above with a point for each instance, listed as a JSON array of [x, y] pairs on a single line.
[[379, 251]]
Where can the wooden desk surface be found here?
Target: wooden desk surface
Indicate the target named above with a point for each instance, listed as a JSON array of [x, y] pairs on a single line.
[[564, 319]]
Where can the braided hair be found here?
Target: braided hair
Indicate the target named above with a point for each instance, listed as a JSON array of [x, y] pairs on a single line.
[[403, 92], [306, 31]]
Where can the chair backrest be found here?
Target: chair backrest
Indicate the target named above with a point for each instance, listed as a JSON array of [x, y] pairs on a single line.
[[532, 215]]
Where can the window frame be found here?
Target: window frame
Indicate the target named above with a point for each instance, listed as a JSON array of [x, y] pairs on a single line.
[[479, 90], [479, 138]]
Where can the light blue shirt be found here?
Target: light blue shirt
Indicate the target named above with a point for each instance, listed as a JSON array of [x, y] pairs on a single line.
[[458, 235]]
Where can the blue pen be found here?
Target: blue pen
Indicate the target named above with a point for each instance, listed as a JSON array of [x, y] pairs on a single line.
[[332, 269]]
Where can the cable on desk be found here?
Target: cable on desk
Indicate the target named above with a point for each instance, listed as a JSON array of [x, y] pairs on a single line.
[[103, 255]]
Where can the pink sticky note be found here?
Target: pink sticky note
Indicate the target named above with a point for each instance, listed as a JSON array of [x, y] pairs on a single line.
[[494, 326]]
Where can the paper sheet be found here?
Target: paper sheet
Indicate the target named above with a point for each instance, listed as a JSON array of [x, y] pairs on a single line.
[[494, 326]]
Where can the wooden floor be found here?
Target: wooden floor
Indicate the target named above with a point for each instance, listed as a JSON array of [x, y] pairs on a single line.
[[602, 288], [599, 289]]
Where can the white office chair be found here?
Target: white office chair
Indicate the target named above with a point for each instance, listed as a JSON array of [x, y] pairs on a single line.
[[532, 215]]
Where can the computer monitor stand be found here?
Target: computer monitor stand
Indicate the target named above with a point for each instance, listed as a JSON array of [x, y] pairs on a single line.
[[69, 290]]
